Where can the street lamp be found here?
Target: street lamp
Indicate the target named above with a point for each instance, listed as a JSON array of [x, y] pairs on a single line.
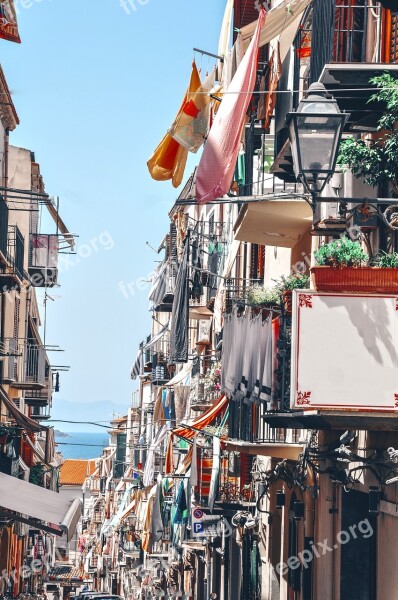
[[315, 131]]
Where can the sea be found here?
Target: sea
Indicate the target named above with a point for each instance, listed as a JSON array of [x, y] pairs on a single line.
[[81, 445]]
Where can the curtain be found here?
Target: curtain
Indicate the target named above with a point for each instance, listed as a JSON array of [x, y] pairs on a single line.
[[322, 36]]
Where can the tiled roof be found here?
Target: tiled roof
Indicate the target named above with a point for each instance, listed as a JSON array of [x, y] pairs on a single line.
[[66, 572], [74, 472]]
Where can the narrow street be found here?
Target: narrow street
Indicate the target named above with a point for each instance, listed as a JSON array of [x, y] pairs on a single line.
[[199, 300]]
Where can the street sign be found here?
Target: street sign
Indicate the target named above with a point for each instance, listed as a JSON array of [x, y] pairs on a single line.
[[205, 525]]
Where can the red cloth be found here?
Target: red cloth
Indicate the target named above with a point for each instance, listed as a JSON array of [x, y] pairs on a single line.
[[217, 165]]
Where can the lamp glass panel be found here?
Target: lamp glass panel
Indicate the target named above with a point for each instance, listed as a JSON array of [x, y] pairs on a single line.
[[317, 140]]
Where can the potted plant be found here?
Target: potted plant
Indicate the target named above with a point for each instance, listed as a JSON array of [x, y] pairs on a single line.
[[262, 297], [375, 158], [286, 285], [343, 266]]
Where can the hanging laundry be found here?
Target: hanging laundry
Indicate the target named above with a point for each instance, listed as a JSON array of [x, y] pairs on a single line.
[[191, 126], [8, 22], [240, 170], [180, 313], [169, 159], [215, 472], [156, 527], [225, 34], [249, 351], [181, 514], [232, 61], [216, 168], [275, 68], [181, 400]]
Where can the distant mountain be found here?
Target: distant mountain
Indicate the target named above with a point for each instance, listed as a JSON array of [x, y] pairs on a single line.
[[60, 434], [85, 413]]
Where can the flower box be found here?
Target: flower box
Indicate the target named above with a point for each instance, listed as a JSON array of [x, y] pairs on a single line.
[[375, 280]]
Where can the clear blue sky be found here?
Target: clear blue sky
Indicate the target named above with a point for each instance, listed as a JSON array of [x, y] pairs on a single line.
[[96, 89]]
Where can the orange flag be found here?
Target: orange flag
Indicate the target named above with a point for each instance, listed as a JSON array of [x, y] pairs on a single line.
[[170, 158]]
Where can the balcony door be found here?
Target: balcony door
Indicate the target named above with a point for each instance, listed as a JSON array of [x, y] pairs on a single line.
[[358, 555]]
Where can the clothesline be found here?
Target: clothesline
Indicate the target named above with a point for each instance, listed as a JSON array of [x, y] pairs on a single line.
[[334, 90]]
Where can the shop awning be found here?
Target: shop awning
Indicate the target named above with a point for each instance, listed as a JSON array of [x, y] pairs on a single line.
[[283, 19], [40, 504], [274, 222]]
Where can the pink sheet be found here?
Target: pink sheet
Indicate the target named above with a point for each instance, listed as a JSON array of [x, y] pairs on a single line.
[[217, 165]]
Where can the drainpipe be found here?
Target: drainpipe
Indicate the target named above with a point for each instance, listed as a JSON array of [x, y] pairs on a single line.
[[223, 570], [6, 153]]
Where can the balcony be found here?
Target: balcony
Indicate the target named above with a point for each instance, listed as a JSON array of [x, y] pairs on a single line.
[[274, 222], [40, 413], [43, 260], [340, 370], [25, 365], [12, 272], [41, 397]]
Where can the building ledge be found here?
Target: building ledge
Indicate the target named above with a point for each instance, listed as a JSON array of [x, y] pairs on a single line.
[[274, 449], [334, 419]]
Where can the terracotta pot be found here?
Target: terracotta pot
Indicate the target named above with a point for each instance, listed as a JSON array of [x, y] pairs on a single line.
[[374, 280]]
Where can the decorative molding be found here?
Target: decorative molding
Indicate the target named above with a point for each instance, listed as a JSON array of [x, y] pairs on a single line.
[[304, 398], [305, 301]]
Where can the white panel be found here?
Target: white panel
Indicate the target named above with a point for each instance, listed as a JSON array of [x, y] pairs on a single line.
[[344, 351]]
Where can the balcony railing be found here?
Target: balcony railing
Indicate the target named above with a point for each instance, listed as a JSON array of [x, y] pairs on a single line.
[[25, 365], [40, 413], [236, 291], [43, 260], [3, 228], [12, 271]]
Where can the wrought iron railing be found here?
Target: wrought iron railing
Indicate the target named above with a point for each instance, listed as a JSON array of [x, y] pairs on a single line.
[[25, 363], [16, 251]]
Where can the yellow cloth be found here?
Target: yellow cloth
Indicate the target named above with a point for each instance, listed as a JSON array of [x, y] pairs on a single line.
[[169, 159]]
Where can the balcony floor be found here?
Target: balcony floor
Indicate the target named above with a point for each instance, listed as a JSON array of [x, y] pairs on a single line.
[[334, 419]]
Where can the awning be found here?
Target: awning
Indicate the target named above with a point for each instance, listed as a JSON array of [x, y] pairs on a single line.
[[274, 449], [156, 338], [41, 504], [22, 420], [204, 420], [273, 222], [283, 19], [137, 368]]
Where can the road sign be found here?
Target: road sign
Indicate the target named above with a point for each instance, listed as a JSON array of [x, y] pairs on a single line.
[[205, 525]]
